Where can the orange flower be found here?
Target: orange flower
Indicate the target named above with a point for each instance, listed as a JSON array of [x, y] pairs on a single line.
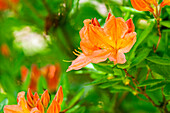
[[45, 98], [5, 4], [165, 2], [52, 76], [34, 104], [5, 50], [144, 5], [24, 73], [56, 103], [35, 74], [97, 44]]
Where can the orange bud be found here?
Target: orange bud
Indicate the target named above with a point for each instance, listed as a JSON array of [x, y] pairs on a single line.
[[36, 97], [30, 98], [24, 73], [165, 2], [142, 5], [5, 50], [59, 95], [54, 107], [45, 98], [40, 106]]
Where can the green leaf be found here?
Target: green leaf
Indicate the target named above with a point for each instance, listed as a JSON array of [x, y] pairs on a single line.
[[167, 90], [76, 98], [42, 84], [142, 55], [123, 66], [156, 86], [159, 60], [26, 82], [163, 70], [106, 69], [3, 103], [165, 23], [150, 82], [142, 36], [120, 88], [104, 80], [108, 84]]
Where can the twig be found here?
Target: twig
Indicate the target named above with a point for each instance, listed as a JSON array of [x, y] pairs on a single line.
[[159, 31], [147, 76]]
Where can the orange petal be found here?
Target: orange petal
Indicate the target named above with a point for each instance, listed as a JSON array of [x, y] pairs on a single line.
[[95, 22], [30, 98], [131, 26], [120, 58], [22, 102], [128, 42], [99, 38], [116, 29], [35, 110], [54, 107], [79, 62], [154, 2], [113, 56], [86, 46], [45, 98], [36, 97], [59, 96], [141, 5], [165, 2], [39, 106], [100, 56], [13, 109]]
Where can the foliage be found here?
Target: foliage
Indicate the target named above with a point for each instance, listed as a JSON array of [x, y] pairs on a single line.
[[44, 33]]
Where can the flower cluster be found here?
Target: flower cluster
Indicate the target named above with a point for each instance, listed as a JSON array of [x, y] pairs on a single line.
[[50, 72], [112, 41], [34, 104]]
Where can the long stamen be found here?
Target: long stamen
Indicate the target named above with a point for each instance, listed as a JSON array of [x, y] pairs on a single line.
[[77, 51]]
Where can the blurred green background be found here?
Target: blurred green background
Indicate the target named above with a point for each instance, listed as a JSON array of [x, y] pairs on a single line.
[[44, 32]]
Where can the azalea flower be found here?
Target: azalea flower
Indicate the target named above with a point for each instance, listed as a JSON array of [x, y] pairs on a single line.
[[34, 104], [97, 43], [5, 4], [5, 50], [146, 5]]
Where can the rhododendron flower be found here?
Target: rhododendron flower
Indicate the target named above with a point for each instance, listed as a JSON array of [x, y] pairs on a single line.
[[165, 2], [97, 44], [52, 76], [35, 75], [5, 50], [34, 104], [5, 4], [146, 5]]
